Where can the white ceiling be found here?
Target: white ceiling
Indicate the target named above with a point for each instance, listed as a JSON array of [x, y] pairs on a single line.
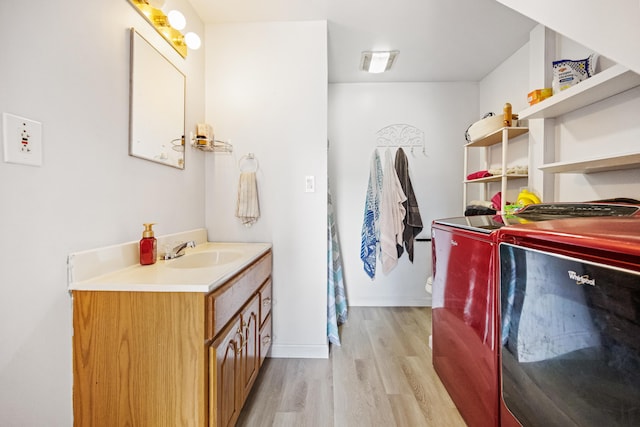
[[438, 40]]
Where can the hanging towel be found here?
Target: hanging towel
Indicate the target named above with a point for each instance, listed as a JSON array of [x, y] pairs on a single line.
[[248, 209], [371, 224], [412, 220], [336, 295], [392, 214]]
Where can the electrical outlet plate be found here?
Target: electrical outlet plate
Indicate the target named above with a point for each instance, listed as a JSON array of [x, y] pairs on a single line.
[[22, 140]]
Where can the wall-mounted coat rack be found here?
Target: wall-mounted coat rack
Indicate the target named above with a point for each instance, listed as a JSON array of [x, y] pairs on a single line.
[[401, 135]]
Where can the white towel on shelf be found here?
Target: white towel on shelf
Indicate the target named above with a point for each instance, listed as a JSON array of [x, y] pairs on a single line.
[[248, 208]]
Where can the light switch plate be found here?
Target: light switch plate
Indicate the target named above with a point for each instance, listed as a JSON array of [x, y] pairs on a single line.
[[22, 140], [309, 184]]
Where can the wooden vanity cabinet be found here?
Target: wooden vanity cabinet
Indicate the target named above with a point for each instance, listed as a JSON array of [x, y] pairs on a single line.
[[169, 358]]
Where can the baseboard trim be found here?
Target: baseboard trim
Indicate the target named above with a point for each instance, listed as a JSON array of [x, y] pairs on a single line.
[[299, 351], [387, 302], [287, 351]]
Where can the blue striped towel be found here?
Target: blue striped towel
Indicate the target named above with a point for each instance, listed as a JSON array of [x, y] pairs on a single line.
[[371, 223], [336, 295]]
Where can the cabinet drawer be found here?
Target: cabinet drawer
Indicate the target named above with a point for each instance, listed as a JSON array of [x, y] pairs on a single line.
[[265, 338], [265, 301], [226, 301]]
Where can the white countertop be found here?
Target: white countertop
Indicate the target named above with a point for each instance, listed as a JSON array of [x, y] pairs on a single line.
[[161, 277]]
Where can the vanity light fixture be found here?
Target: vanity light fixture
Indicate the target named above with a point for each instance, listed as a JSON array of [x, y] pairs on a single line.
[[377, 61], [177, 20], [192, 40], [169, 26]]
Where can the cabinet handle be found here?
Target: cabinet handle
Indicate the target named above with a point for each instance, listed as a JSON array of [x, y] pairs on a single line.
[[242, 346], [243, 331], [241, 340], [266, 302], [266, 339]]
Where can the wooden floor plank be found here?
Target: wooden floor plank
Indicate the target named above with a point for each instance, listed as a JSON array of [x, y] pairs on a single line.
[[382, 375], [406, 411]]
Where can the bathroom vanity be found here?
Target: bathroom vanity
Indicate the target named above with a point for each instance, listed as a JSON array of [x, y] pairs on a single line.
[[177, 343]]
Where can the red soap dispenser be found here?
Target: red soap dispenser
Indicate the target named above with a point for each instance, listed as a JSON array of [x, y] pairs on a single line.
[[148, 246]]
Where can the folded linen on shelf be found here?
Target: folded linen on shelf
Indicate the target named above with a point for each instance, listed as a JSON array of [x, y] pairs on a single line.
[[478, 174], [511, 170], [483, 203]]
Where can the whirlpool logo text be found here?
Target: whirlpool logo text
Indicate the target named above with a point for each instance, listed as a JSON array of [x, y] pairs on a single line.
[[581, 280]]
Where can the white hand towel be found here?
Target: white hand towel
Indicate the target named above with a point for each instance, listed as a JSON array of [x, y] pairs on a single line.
[[392, 214], [248, 209]]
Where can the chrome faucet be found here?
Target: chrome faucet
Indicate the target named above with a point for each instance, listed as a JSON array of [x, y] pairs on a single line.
[[178, 251]]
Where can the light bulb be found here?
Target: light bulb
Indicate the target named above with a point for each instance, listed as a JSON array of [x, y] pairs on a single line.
[[192, 40], [177, 20]]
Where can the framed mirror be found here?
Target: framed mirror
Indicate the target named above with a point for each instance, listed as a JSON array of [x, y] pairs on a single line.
[[157, 105]]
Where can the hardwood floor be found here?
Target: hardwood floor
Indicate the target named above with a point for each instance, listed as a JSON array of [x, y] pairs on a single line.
[[382, 375]]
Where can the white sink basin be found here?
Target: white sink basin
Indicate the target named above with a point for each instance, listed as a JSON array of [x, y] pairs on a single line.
[[201, 269], [205, 259]]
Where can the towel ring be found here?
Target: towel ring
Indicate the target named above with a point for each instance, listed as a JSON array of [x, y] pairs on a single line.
[[248, 161]]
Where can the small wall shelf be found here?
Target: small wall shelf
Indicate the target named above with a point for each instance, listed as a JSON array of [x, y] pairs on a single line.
[[606, 83], [211, 145], [600, 164], [609, 82], [500, 136], [495, 178], [496, 136]]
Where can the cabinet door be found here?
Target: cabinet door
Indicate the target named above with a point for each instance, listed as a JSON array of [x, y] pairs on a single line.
[[249, 353], [225, 398]]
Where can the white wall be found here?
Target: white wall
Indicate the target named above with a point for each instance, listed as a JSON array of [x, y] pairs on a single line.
[[508, 82], [610, 27], [267, 92], [356, 113], [607, 127], [72, 75]]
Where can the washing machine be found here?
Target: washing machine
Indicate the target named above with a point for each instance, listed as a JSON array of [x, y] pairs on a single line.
[[570, 323], [465, 304]]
